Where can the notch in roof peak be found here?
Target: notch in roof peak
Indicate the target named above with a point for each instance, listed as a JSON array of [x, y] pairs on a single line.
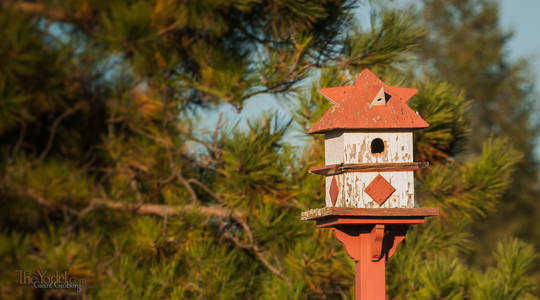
[[381, 97]]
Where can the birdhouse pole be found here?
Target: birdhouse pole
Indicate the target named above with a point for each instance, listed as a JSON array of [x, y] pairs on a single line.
[[369, 175]]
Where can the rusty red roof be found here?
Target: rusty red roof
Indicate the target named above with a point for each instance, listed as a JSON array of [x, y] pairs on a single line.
[[354, 106]]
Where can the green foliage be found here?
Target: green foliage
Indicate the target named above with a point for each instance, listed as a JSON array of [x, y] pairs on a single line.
[[389, 41], [467, 47], [432, 260], [12, 107], [443, 107], [106, 173], [508, 280], [473, 186], [251, 160], [441, 278]]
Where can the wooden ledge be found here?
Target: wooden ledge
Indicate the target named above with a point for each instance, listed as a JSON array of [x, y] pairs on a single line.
[[368, 213], [330, 170]]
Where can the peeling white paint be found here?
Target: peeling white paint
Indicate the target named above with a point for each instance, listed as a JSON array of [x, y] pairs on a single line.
[[352, 194], [355, 148]]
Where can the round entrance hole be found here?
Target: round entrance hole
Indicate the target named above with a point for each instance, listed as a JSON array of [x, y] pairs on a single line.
[[377, 146]]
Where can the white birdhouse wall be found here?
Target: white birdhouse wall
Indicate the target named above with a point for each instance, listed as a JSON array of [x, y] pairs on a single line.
[[366, 147], [370, 147], [356, 147], [352, 186], [333, 148]]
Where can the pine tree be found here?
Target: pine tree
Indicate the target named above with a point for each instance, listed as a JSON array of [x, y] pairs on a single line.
[[106, 173], [466, 47]]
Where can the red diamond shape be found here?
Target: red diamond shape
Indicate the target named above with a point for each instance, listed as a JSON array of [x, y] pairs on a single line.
[[334, 191], [379, 189]]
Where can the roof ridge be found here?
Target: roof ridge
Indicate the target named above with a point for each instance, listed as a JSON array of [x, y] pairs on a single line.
[[354, 106]]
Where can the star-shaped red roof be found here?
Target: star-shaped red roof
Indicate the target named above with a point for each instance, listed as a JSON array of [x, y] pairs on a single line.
[[354, 106]]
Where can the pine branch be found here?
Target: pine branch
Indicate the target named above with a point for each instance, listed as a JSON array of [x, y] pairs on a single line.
[[259, 254], [189, 135], [194, 198], [54, 14], [54, 127], [163, 210], [221, 212], [160, 210], [206, 189], [255, 248], [34, 8], [168, 29], [20, 140]]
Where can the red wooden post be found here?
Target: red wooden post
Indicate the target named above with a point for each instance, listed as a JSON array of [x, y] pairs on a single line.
[[370, 236], [363, 242], [369, 180]]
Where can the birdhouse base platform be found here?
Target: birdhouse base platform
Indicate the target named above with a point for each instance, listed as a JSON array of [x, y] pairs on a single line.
[[330, 216], [370, 237]]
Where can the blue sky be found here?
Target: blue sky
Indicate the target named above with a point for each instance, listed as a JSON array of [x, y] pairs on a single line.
[[520, 16]]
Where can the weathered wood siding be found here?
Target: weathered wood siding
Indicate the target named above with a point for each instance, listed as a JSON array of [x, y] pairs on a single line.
[[352, 194], [355, 148], [398, 147]]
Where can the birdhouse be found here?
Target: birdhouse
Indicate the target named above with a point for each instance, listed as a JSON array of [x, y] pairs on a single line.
[[369, 144], [369, 175]]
